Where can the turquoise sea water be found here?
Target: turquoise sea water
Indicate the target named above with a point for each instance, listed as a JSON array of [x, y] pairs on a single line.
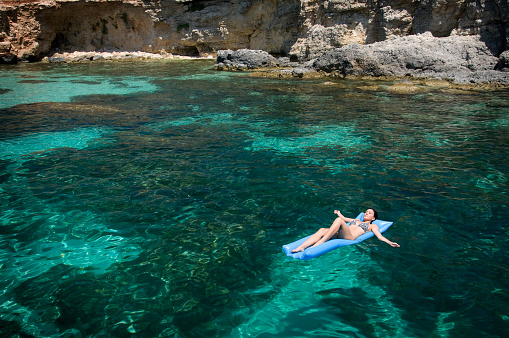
[[152, 198]]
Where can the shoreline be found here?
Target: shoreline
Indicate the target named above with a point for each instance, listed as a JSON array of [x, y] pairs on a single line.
[[77, 56], [401, 84], [462, 61]]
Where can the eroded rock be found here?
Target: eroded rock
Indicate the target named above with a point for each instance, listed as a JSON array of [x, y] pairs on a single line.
[[408, 56], [463, 59], [299, 29], [460, 59], [244, 59], [503, 62], [8, 58]]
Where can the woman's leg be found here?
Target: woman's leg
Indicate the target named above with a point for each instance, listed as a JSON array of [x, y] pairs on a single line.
[[311, 240], [339, 227]]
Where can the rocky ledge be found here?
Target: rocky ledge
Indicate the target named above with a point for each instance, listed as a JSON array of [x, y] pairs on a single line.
[[113, 55], [459, 59]]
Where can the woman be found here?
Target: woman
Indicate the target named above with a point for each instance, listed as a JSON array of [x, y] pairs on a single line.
[[339, 229]]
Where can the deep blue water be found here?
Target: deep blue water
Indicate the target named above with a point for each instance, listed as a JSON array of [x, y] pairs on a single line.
[[152, 198]]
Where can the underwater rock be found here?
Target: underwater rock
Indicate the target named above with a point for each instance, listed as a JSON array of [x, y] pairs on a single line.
[[404, 87], [297, 72]]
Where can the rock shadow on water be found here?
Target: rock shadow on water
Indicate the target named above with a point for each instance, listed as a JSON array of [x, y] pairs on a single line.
[[110, 110], [12, 329], [356, 308], [343, 312], [59, 299], [86, 82], [35, 81], [66, 88]]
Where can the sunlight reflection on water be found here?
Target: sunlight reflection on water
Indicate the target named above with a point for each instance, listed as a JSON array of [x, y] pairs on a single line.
[[158, 205]]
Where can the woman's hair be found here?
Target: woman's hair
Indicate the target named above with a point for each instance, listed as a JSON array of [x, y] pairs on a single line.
[[376, 213]]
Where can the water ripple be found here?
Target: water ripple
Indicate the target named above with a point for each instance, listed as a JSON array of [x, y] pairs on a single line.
[[164, 213]]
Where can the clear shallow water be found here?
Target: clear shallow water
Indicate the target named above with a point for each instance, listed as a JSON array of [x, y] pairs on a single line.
[[152, 199]]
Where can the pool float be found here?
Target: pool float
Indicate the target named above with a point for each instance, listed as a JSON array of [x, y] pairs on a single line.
[[332, 244]]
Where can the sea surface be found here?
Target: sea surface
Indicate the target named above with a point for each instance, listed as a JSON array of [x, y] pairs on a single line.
[[152, 199]]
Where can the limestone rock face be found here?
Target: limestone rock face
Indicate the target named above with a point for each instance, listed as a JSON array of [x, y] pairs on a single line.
[[336, 23], [463, 59], [33, 29], [244, 59], [299, 29], [402, 56], [503, 63]]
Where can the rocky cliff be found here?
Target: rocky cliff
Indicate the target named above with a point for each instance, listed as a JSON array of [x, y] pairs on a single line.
[[301, 29]]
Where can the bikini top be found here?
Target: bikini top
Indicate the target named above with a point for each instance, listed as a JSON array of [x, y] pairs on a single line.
[[363, 225]]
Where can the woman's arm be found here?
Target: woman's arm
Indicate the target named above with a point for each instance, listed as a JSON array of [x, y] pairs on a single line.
[[378, 235], [340, 215]]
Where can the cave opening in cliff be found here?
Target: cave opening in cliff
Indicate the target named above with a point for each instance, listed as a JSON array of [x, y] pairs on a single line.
[[59, 43], [186, 50], [86, 27]]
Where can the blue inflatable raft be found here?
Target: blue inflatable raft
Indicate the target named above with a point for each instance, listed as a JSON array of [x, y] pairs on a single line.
[[332, 244]]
